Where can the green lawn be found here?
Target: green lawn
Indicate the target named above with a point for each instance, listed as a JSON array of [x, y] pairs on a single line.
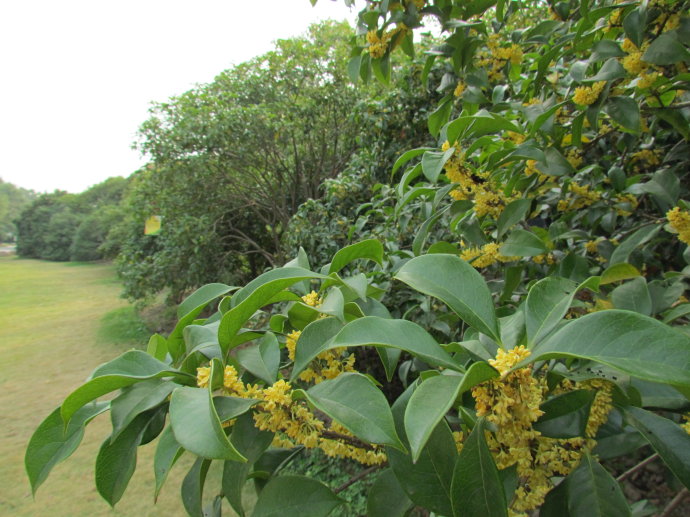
[[57, 323]]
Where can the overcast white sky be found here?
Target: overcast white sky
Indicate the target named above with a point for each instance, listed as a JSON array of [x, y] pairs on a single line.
[[78, 75]]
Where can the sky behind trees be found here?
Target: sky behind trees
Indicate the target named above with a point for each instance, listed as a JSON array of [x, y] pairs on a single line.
[[79, 75]]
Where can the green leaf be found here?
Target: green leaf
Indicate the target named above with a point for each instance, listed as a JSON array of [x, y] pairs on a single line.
[[565, 415], [168, 452], [433, 162], [117, 460], [255, 295], [135, 400], [251, 443], [52, 443], [476, 488], [189, 309], [666, 50], [523, 243], [262, 359], [439, 117], [314, 339], [667, 438], [457, 284], [605, 49], [513, 213], [131, 367], [386, 497], [640, 237], [370, 249], [157, 347], [426, 482], [634, 25], [593, 492], [434, 398], [193, 488], [633, 296], [356, 403], [625, 111], [401, 334], [609, 71], [295, 495], [547, 302], [630, 342], [197, 426], [407, 156], [618, 272]]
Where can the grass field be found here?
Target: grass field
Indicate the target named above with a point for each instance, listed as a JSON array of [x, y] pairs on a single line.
[[57, 323]]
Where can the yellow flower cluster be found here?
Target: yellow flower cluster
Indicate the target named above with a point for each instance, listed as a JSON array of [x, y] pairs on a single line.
[[587, 95], [583, 197], [574, 157], [485, 256], [312, 299], [647, 156], [680, 222], [591, 246], [512, 404], [292, 421], [626, 204], [686, 425], [647, 79], [327, 365], [544, 258], [459, 89], [486, 200], [378, 46]]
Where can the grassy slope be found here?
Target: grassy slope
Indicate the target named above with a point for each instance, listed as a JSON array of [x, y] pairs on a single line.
[[50, 321]]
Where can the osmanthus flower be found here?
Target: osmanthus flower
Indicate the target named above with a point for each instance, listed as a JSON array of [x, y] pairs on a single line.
[[679, 220], [512, 404], [588, 95]]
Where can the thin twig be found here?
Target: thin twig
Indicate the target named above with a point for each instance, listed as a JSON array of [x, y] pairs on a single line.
[[332, 435], [356, 478], [637, 467], [674, 503]]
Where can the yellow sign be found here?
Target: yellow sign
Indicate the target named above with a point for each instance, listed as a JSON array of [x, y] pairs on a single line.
[[153, 225]]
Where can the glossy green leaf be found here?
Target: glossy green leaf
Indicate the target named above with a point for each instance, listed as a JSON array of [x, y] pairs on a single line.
[[426, 482], [262, 359], [605, 49], [192, 490], [625, 111], [522, 243], [666, 50], [513, 213], [52, 443], [189, 309], [433, 399], [401, 334], [130, 368], [407, 156], [197, 426], [633, 296], [314, 339], [630, 342], [157, 347], [547, 303], [117, 460], [565, 415], [168, 451], [135, 400], [476, 488], [439, 117], [295, 495], [355, 402], [618, 272], [370, 249], [593, 492], [457, 284], [609, 71], [386, 497], [255, 295], [433, 162], [640, 237], [251, 443], [667, 438]]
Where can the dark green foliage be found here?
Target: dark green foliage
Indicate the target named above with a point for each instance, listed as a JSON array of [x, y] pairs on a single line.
[[13, 199]]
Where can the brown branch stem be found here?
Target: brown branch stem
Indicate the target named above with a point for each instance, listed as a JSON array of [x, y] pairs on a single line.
[[357, 477], [637, 467]]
